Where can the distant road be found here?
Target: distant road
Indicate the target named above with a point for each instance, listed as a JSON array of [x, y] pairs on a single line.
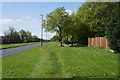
[[14, 50]]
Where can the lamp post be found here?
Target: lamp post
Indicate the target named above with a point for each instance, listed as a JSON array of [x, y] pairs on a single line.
[[42, 31], [46, 36], [46, 32]]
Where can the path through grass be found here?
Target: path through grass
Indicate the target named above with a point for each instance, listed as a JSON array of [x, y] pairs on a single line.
[[53, 61]]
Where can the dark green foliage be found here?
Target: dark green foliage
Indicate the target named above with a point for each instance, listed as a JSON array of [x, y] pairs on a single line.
[[82, 34], [25, 36], [56, 22], [103, 20], [91, 13], [69, 28], [12, 36], [113, 26], [93, 19]]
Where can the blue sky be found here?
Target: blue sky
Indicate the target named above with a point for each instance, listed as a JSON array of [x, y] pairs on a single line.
[[26, 15]]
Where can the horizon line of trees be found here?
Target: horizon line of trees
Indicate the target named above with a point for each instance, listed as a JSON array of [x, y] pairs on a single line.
[[93, 19], [22, 36]]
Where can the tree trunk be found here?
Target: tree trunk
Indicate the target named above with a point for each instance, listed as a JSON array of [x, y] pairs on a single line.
[[67, 39], [60, 36], [61, 39], [72, 40]]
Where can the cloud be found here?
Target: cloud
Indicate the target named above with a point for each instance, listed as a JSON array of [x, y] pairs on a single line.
[[34, 20], [69, 12], [18, 20], [5, 21], [26, 17], [8, 21]]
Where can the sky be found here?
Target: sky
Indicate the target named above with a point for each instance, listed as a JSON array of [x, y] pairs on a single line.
[[26, 15]]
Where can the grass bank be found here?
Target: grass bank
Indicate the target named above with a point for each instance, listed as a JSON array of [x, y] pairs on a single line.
[[53, 61], [2, 46]]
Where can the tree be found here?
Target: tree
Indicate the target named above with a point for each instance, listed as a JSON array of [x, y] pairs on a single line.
[[26, 36], [23, 35], [68, 29], [103, 20], [29, 36], [78, 30], [113, 25], [82, 33], [55, 21], [91, 13], [11, 36], [71, 28], [35, 38]]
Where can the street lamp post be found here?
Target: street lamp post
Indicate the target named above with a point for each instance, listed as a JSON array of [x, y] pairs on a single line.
[[46, 35], [42, 31]]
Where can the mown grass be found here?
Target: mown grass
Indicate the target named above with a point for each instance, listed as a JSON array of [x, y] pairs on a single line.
[[2, 46], [53, 61]]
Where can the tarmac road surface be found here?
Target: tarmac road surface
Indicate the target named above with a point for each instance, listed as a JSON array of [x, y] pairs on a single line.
[[8, 51]]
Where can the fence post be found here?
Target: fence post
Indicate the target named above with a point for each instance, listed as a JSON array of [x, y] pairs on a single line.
[[106, 43], [92, 41], [96, 41], [100, 42]]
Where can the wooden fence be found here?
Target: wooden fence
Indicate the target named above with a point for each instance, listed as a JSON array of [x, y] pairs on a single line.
[[98, 41]]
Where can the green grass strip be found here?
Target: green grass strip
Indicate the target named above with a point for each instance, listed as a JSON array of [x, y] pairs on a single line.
[[54, 61], [2, 46]]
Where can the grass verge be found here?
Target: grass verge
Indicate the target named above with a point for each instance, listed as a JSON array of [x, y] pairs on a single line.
[[53, 61], [3, 46]]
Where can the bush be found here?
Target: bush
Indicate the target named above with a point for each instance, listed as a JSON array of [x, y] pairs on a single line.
[[113, 34], [113, 26], [12, 36]]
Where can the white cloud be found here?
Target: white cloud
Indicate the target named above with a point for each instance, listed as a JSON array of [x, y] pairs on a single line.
[[18, 20], [5, 21], [34, 20], [69, 12], [26, 17]]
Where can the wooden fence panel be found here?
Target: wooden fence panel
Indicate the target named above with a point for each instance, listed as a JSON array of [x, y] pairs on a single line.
[[98, 41]]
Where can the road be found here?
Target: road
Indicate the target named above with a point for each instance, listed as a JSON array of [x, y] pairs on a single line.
[[14, 50]]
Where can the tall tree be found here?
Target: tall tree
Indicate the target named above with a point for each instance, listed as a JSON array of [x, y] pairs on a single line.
[[23, 35], [113, 25], [76, 30], [11, 36], [103, 20], [29, 36], [55, 21], [91, 13]]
